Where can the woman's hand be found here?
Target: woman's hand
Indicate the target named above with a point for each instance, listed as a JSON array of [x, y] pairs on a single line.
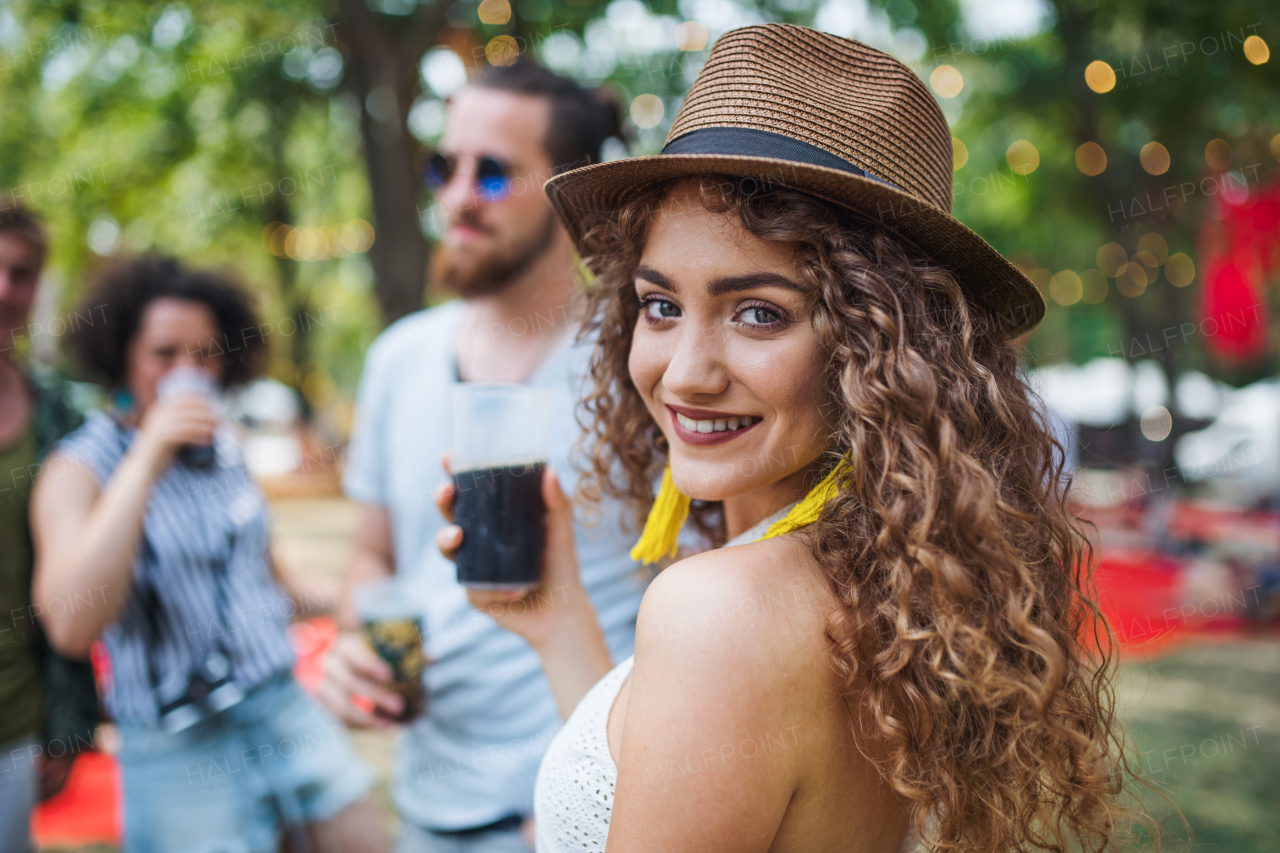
[[556, 616], [168, 425], [541, 613]]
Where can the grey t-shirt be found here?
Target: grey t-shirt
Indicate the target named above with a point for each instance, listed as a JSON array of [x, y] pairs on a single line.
[[473, 758]]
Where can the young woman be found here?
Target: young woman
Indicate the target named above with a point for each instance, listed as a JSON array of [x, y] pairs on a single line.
[[164, 555], [894, 645]]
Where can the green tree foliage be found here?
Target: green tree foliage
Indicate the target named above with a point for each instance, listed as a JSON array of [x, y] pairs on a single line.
[[188, 129]]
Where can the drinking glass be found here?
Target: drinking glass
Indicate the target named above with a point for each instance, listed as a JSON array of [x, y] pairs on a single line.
[[392, 617], [501, 443]]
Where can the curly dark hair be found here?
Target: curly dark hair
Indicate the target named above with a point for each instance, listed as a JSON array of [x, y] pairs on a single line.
[[115, 304], [975, 662]]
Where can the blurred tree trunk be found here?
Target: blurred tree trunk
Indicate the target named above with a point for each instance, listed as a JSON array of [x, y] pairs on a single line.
[[284, 105], [382, 54]]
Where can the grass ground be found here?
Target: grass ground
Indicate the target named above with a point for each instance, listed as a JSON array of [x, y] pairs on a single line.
[[1206, 723], [1205, 718]]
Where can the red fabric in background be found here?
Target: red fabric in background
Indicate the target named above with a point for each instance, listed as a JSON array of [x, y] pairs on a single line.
[[1135, 592], [1240, 247], [86, 811], [1234, 315]]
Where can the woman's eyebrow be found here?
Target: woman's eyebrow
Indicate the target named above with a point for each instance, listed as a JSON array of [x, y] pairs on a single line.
[[652, 276], [750, 281]]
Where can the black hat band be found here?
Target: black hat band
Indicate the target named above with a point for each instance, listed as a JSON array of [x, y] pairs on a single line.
[[749, 142]]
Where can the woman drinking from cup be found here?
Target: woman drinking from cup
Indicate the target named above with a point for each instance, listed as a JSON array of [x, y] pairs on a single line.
[[815, 360], [150, 535]]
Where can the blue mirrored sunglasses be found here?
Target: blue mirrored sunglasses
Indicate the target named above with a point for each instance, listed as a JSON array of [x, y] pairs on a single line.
[[492, 180]]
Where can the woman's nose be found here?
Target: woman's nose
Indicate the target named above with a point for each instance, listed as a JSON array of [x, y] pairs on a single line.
[[696, 364]]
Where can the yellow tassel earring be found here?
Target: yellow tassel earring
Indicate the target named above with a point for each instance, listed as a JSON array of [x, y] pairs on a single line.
[[810, 507], [662, 527], [671, 508]]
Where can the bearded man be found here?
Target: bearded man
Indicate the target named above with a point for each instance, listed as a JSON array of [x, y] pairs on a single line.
[[464, 772]]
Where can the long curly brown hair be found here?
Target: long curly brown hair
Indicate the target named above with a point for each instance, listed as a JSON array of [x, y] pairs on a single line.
[[968, 642]]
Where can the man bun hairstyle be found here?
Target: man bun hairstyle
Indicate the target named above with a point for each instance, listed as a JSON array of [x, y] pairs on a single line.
[[580, 121]]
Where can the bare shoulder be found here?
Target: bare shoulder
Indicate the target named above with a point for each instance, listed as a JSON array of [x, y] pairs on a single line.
[[725, 712], [65, 476], [755, 611], [64, 491]]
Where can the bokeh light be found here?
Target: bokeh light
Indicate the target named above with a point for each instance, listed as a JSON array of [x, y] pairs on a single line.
[[1256, 50], [1131, 279], [1218, 155], [1275, 146], [502, 50], [1093, 287], [647, 110], [317, 244], [1180, 270], [1099, 76], [494, 12], [1154, 158], [1111, 258], [1153, 244], [268, 237], [1091, 159], [691, 35], [1065, 288], [946, 81], [443, 71], [1023, 157], [959, 154], [1157, 423]]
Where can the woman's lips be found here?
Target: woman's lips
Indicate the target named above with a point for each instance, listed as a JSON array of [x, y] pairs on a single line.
[[701, 431]]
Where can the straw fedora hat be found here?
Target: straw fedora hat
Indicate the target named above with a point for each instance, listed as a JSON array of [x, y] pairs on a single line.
[[789, 106]]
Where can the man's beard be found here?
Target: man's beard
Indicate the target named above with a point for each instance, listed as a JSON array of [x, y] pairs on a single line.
[[494, 272]]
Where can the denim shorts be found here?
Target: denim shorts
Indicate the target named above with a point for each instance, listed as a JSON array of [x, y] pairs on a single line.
[[18, 782], [232, 783]]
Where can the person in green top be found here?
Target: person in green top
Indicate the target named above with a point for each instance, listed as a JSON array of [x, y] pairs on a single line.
[[49, 702]]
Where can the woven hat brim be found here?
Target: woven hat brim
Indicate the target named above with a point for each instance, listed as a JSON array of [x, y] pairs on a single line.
[[580, 196]]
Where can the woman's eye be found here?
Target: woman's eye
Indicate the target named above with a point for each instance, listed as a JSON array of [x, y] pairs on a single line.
[[760, 316], [660, 309]]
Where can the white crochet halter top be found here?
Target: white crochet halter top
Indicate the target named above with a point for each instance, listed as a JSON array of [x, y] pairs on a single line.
[[573, 796]]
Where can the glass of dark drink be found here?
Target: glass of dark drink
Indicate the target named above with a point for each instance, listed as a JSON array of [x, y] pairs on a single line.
[[183, 382], [392, 617], [501, 441]]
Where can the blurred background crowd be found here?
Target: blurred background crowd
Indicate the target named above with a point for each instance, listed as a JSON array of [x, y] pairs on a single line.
[[1126, 155]]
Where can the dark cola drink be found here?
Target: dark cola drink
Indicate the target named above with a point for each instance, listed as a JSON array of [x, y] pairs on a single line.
[[503, 520], [187, 381], [198, 455]]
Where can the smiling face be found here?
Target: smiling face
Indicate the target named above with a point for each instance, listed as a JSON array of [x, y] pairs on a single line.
[[725, 357]]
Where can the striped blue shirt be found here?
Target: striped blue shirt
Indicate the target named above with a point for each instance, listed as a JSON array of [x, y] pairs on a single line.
[[196, 521]]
